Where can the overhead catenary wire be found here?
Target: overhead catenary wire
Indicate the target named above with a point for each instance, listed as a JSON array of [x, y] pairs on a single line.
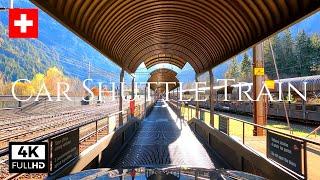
[[83, 65], [278, 77]]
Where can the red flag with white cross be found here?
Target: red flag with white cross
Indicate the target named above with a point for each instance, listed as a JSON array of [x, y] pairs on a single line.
[[23, 23]]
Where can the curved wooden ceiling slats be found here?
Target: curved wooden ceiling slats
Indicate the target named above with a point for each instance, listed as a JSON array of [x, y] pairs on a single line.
[[172, 37], [163, 75], [202, 33], [159, 62], [91, 24], [67, 6], [158, 38], [163, 50], [75, 11], [166, 59], [169, 53], [283, 10], [172, 26], [134, 56], [153, 8], [276, 16], [256, 13], [175, 27], [163, 71], [60, 3]]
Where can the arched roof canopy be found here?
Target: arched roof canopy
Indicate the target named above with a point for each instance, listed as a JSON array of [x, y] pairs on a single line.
[[163, 75], [202, 33], [164, 58]]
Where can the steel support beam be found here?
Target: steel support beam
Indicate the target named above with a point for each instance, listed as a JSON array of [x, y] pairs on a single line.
[[120, 98], [132, 96], [177, 96], [145, 101], [197, 102], [211, 98], [259, 107], [132, 88], [177, 99]]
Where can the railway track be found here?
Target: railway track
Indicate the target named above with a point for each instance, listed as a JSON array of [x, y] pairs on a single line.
[[88, 138], [31, 128]]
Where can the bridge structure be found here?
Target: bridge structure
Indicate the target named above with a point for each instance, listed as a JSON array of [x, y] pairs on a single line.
[[160, 133]]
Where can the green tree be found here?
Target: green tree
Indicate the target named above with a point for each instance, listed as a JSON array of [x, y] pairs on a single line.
[[304, 51], [315, 43], [233, 71], [246, 69], [289, 60], [268, 61], [279, 55]]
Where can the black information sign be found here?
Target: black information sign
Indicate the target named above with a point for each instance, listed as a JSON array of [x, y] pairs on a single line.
[[284, 150], [64, 148], [224, 124]]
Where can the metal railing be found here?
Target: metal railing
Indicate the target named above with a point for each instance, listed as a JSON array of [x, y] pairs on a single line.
[[88, 130], [243, 132]]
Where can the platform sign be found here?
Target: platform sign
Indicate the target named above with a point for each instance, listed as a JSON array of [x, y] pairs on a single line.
[[224, 124], [270, 84], [285, 150], [258, 71], [64, 149]]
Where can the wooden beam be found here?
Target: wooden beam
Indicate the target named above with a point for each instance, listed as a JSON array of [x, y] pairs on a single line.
[[259, 107]]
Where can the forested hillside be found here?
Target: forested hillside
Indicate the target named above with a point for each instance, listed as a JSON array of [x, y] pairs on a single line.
[[295, 56], [22, 58], [56, 46]]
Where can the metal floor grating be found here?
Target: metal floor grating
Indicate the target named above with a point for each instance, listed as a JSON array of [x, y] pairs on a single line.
[[164, 141]]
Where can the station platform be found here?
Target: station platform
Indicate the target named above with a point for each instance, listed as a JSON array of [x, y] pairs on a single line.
[[165, 140]]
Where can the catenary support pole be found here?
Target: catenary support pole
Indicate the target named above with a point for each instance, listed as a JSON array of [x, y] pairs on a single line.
[[197, 102], [120, 98], [132, 88], [259, 107], [211, 98]]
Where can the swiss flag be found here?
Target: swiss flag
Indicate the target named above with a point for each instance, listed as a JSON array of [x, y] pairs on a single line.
[[23, 23]]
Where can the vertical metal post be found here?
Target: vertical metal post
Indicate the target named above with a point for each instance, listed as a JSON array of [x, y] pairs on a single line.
[[259, 107], [305, 163], [197, 102], [177, 94], [303, 110], [211, 99], [132, 88], [145, 101], [96, 131], [177, 104], [50, 157], [243, 130], [120, 98], [132, 96]]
